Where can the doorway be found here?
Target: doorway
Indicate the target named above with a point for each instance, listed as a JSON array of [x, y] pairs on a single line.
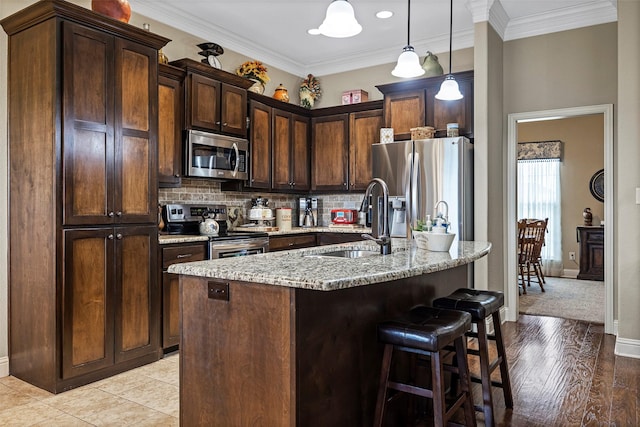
[[512, 139]]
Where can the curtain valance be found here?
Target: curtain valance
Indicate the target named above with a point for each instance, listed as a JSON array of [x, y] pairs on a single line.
[[540, 150]]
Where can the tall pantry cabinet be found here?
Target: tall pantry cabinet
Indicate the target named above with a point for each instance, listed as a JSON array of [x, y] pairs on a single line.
[[83, 288]]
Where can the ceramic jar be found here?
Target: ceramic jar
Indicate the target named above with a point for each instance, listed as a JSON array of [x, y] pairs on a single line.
[[281, 93], [116, 9], [256, 87]]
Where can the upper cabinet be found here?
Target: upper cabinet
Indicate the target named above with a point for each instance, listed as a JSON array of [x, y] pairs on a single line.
[[170, 116], [215, 100], [341, 147], [412, 103]]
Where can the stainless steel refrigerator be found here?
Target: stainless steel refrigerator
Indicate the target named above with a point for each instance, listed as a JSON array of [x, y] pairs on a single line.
[[421, 173]]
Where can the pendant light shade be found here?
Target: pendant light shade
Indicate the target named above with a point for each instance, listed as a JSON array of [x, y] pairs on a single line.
[[408, 62], [340, 21], [449, 90]]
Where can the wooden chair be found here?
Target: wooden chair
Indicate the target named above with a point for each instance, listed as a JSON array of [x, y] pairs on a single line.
[[530, 241]]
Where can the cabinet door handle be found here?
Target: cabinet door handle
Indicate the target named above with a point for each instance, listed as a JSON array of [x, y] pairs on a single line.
[[110, 237], [176, 175], [119, 236], [225, 124], [118, 213], [184, 256], [217, 123], [110, 214]]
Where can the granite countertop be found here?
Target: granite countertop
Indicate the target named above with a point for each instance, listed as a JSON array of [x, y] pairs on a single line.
[[165, 239], [303, 268]]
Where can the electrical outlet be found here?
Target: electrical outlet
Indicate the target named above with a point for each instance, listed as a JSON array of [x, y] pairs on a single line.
[[572, 256]]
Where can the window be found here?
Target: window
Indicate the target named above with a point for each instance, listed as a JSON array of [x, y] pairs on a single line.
[[539, 197]]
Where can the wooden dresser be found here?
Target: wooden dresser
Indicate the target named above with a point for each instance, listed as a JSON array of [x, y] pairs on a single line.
[[591, 241]]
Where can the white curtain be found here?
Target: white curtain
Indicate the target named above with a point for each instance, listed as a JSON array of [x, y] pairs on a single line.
[[539, 197]]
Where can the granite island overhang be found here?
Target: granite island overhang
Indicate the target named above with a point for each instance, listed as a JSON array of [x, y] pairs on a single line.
[[289, 338]]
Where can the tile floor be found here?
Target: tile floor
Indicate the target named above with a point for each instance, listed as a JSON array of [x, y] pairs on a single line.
[[146, 396]]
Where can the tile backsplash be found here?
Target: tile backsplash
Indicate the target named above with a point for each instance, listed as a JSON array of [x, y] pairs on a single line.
[[208, 191]]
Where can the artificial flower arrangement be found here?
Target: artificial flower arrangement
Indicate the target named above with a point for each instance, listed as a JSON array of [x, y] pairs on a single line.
[[254, 70], [310, 91]]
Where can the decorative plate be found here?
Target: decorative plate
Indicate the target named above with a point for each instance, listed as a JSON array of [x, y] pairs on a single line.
[[596, 185]]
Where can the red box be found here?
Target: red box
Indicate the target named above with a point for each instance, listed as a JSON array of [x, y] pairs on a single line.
[[354, 96]]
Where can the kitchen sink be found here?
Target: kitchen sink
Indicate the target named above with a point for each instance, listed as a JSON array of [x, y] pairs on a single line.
[[350, 253]]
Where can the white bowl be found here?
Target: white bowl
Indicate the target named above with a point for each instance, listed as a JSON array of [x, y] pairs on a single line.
[[435, 242]]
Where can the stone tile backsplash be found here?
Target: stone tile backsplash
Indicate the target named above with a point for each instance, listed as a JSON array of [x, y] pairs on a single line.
[[208, 191]]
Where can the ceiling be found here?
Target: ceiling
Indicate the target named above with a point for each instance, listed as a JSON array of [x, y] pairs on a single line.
[[275, 31]]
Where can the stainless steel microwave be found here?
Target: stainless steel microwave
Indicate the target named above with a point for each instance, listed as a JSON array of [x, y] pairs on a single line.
[[209, 155]]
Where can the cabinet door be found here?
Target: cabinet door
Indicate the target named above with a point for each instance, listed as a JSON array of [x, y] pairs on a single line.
[[88, 117], [233, 108], [169, 128], [281, 148], [137, 298], [439, 113], [300, 176], [203, 103], [260, 146], [330, 152], [403, 111], [87, 301], [364, 130], [135, 134], [294, 241]]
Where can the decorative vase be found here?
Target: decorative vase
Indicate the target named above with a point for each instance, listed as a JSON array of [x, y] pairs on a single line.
[[116, 9], [281, 93], [431, 65], [256, 87], [307, 99]]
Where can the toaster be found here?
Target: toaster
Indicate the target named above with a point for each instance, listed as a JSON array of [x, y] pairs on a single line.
[[344, 216]]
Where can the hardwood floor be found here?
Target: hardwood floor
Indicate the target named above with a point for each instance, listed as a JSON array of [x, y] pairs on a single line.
[[564, 373]]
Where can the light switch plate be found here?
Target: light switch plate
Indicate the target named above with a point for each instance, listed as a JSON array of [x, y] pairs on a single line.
[[637, 196]]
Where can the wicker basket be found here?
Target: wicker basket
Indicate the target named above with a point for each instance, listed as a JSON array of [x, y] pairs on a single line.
[[423, 132]]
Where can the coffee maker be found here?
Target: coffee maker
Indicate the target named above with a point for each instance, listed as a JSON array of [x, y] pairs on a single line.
[[308, 209]]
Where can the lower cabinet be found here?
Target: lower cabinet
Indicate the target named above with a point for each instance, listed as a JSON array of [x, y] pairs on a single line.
[[335, 238], [173, 254], [285, 242], [110, 301]]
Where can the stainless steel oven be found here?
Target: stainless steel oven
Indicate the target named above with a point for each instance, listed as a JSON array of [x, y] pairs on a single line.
[[184, 219]]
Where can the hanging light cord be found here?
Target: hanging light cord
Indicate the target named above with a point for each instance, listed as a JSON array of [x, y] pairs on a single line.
[[450, 34], [409, 21]]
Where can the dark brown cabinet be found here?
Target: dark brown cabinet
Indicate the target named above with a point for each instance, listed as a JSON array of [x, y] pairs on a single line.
[[285, 242], [110, 298], [173, 254], [341, 150], [259, 146], [290, 142], [170, 116], [84, 299], [335, 238], [412, 104], [215, 100], [591, 241]]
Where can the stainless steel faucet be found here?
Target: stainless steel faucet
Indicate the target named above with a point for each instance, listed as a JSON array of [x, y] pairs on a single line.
[[384, 240]]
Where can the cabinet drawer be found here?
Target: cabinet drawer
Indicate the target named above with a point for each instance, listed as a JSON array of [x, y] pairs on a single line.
[[283, 243], [183, 253]]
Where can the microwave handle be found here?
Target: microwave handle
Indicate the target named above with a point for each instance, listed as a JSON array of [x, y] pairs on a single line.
[[235, 148]]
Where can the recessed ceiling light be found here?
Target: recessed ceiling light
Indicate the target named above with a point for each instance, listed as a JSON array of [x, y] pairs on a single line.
[[314, 31], [384, 14]]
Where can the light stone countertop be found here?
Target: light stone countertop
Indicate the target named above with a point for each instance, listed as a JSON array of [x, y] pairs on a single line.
[[303, 268], [166, 239]]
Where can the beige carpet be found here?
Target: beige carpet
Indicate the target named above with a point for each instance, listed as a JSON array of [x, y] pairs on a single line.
[[565, 298]]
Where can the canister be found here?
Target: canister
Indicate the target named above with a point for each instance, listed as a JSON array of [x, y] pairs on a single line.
[[452, 129], [283, 219]]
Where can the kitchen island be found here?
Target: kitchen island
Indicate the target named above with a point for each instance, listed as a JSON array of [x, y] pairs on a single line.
[[289, 338]]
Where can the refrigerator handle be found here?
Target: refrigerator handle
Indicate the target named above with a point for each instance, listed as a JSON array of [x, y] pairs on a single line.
[[407, 194], [415, 190]]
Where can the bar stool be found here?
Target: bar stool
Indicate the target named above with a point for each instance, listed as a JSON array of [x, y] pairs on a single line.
[[480, 305], [426, 331]]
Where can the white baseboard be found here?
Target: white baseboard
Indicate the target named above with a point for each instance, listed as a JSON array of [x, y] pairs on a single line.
[[4, 366], [570, 274], [627, 348]]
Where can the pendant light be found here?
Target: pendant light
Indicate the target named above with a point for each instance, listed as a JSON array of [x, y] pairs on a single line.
[[340, 21], [408, 62], [449, 90]]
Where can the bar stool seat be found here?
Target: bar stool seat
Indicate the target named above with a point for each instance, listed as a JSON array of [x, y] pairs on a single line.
[[427, 331], [480, 305]]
